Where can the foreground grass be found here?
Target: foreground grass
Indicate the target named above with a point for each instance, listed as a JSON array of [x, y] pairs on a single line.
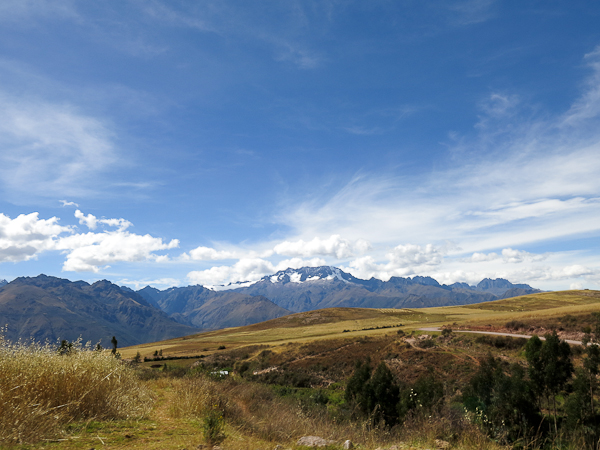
[[42, 390], [254, 418]]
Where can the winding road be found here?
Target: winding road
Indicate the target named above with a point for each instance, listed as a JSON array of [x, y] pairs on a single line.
[[496, 333]]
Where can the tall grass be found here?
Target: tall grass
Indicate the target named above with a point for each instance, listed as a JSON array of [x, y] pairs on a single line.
[[255, 410], [41, 390]]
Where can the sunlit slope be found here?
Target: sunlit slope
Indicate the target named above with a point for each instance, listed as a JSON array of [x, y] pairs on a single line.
[[352, 322]]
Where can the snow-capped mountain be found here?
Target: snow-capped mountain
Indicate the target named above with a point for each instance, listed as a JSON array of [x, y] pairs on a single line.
[[310, 288]]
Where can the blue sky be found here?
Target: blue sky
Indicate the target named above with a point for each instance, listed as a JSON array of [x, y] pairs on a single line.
[[200, 142]]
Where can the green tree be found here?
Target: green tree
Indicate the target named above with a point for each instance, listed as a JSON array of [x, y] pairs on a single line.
[[114, 343], [423, 396], [581, 404], [550, 368], [385, 392], [114, 351], [374, 395], [503, 401], [358, 387]]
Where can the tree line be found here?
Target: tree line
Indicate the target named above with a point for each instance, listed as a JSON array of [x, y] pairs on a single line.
[[541, 402]]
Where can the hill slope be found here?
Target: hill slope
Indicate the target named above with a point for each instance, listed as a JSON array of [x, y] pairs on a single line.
[[207, 309], [52, 308], [535, 309]]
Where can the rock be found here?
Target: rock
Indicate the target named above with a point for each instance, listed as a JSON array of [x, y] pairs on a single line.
[[314, 441], [278, 447], [347, 445], [441, 444]]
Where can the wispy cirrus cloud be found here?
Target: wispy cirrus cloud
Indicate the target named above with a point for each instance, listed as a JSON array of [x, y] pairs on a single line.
[[51, 150], [25, 10], [535, 182], [287, 37]]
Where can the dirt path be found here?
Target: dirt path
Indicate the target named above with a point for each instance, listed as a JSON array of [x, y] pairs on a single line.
[[496, 333]]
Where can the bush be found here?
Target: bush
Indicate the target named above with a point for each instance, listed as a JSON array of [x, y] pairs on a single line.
[[41, 389], [213, 427], [505, 342], [426, 343], [515, 325]]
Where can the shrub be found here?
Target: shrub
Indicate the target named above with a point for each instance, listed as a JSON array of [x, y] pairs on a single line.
[[515, 325], [426, 343], [213, 427], [446, 332], [41, 389], [505, 342]]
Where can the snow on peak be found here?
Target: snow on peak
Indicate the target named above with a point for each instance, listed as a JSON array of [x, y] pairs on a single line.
[[307, 274]]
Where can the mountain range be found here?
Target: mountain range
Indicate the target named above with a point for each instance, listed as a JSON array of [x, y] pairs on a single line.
[[52, 308], [311, 288]]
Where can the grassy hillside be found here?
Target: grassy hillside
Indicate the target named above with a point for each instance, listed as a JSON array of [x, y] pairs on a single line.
[[542, 309]]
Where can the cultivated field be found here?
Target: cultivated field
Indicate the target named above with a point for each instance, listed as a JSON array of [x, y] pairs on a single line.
[[543, 309]]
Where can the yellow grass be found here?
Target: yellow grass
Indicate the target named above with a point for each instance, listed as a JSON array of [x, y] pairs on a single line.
[[41, 390]]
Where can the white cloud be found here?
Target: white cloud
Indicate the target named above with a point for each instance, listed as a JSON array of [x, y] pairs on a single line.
[[159, 283], [26, 236], [508, 255], [90, 221], [481, 257], [49, 150], [402, 261], [334, 246], [533, 182], [66, 203], [518, 256], [415, 255], [208, 254], [247, 269], [91, 251], [588, 106]]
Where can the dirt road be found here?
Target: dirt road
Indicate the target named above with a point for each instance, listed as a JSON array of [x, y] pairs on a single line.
[[495, 333]]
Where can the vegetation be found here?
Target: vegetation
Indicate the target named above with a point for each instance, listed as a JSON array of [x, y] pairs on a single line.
[[375, 386], [42, 389]]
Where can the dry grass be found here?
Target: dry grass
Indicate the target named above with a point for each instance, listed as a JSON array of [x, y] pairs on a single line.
[[255, 412], [41, 390]]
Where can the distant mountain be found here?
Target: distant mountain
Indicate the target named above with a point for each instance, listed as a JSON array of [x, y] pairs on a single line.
[[3, 282], [311, 288], [207, 309], [52, 308]]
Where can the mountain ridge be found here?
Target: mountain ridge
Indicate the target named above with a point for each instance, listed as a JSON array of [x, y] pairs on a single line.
[[51, 308], [321, 287]]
